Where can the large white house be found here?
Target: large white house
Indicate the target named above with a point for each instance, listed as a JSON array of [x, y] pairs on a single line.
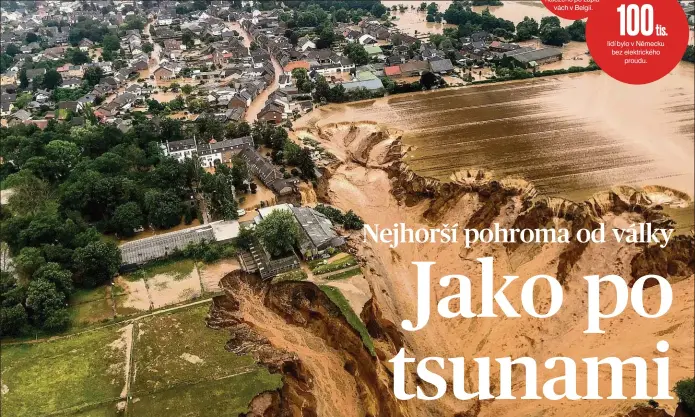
[[208, 153]]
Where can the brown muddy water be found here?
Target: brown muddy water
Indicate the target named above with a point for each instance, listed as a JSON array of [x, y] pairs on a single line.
[[571, 135]]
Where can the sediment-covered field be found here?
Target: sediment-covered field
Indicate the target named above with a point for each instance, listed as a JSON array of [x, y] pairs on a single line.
[[382, 173]]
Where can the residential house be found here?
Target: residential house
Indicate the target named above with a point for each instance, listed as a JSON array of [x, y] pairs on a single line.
[[271, 113], [393, 71], [414, 68], [497, 46], [305, 43], [222, 151], [267, 173], [125, 100], [441, 66], [85, 44], [163, 73], [367, 39], [33, 73], [317, 234], [71, 83], [72, 106], [21, 115], [284, 81], [6, 107], [374, 52]]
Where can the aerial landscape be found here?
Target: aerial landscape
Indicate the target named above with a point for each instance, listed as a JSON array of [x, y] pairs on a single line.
[[185, 187]]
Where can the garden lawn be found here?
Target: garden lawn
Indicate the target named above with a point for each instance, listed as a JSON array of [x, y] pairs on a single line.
[[182, 366], [67, 374]]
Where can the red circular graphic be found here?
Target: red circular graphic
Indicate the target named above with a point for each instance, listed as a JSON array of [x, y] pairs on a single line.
[[629, 46], [571, 9]]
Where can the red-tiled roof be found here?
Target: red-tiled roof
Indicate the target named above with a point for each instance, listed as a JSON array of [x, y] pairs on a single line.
[[392, 70]]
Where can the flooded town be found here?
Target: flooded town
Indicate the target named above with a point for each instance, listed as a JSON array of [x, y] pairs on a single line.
[[186, 187]]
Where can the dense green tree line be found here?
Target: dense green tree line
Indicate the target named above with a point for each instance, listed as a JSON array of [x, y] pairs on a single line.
[[70, 186]]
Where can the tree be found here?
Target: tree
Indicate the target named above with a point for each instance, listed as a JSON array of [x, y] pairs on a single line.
[[341, 15], [111, 43], [352, 221], [685, 390], [554, 35], [357, 54], [278, 232], [62, 156], [6, 62], [12, 50], [428, 80], [378, 10], [306, 164], [96, 263], [689, 55], [237, 129], [47, 305], [245, 238], [31, 37], [326, 37], [529, 25], [163, 208], [432, 8], [13, 319], [78, 57], [147, 47], [53, 272], [28, 261], [127, 218], [93, 75], [187, 89], [577, 31], [240, 172], [302, 80], [188, 38], [23, 79]]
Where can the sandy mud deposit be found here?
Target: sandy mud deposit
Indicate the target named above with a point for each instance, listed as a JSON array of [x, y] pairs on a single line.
[[292, 329]]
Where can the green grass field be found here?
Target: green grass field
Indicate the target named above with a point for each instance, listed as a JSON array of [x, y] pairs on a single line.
[[63, 375], [178, 367], [339, 299], [296, 275], [336, 265]]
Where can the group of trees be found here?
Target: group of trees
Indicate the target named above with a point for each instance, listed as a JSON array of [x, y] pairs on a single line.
[[356, 52], [689, 54], [433, 14], [49, 81], [72, 184], [349, 220], [110, 46], [549, 30], [283, 150], [91, 29], [470, 21], [552, 33]]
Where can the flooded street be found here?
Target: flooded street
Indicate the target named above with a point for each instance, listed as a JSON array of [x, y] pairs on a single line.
[[569, 135], [259, 102]]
